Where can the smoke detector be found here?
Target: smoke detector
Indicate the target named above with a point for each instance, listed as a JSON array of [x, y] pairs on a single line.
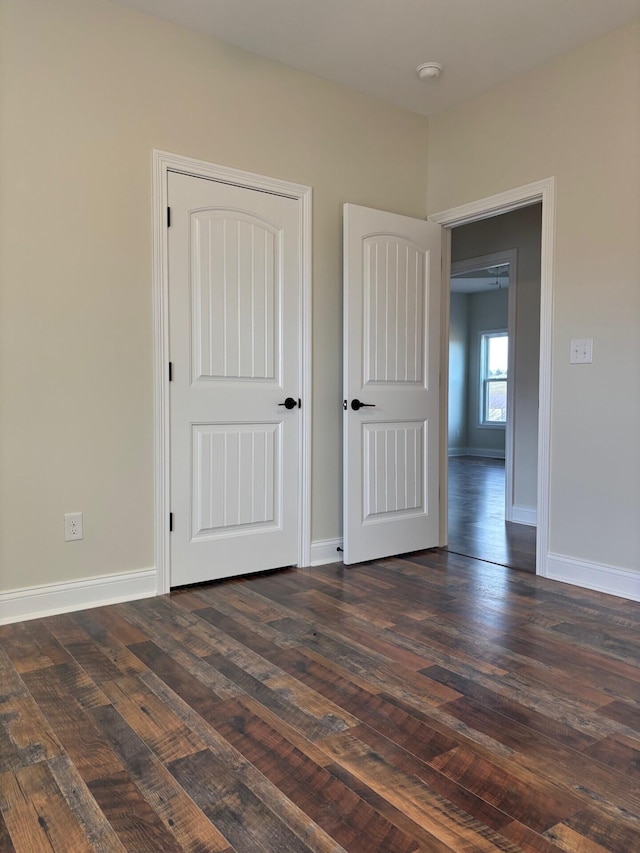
[[429, 70]]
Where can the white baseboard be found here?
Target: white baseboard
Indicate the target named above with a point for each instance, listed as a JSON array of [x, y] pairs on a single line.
[[524, 515], [476, 451], [326, 551], [35, 601], [607, 579]]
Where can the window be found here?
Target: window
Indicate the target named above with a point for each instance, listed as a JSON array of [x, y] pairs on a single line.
[[494, 352]]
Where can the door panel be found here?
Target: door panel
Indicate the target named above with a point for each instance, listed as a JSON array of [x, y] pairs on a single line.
[[393, 310], [393, 454], [237, 269], [391, 363], [236, 478], [234, 342]]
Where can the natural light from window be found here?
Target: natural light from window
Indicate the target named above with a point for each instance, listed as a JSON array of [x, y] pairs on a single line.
[[494, 357]]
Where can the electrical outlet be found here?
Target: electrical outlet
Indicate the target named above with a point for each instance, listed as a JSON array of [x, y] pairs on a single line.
[[73, 526]]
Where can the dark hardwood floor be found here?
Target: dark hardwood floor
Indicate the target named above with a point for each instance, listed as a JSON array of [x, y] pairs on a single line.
[[430, 702], [476, 515]]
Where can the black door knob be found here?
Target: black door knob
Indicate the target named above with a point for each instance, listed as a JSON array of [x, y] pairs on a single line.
[[356, 404], [289, 403]]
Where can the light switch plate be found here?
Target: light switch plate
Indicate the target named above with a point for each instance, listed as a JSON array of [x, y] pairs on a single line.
[[581, 351]]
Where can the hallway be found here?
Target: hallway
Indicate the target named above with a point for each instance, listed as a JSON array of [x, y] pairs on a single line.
[[476, 515]]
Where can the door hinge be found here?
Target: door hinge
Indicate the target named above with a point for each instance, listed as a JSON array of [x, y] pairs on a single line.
[[170, 522], [170, 371], [168, 217]]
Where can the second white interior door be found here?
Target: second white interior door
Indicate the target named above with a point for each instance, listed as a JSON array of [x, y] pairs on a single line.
[[391, 383]]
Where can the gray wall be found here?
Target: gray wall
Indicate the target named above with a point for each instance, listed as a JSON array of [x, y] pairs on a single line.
[[519, 230], [487, 312], [458, 355], [470, 314]]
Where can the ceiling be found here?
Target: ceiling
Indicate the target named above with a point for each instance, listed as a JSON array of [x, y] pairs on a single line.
[[477, 281], [375, 45]]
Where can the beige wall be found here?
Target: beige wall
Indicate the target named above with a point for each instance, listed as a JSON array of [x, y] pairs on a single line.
[[88, 90], [577, 118], [520, 230]]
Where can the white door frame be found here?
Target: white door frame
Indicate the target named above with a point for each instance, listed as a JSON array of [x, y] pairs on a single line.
[[510, 256], [539, 191], [163, 163]]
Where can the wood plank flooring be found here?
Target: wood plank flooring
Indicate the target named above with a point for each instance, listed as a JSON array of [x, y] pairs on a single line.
[[476, 515], [423, 703]]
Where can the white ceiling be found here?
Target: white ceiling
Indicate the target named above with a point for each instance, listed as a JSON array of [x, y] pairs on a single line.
[[375, 45]]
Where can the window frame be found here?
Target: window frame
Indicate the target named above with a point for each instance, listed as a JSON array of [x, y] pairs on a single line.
[[484, 381]]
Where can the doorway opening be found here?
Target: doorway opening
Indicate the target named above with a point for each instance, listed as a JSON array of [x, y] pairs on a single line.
[[493, 387]]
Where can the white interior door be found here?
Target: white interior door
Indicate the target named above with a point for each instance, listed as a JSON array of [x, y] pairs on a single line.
[[392, 283], [234, 347]]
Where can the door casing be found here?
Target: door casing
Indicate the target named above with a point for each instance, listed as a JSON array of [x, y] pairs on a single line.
[[163, 163], [485, 208]]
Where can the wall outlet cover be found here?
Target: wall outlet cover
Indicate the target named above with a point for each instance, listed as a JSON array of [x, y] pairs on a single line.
[[73, 526]]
